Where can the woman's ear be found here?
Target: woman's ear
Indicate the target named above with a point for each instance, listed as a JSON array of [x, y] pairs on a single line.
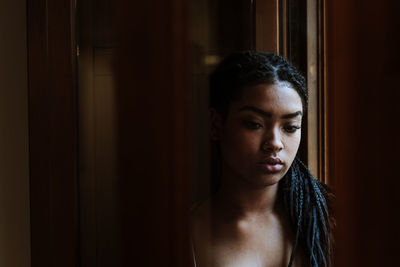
[[215, 120]]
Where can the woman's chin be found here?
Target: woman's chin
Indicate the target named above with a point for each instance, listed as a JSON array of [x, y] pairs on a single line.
[[263, 180]]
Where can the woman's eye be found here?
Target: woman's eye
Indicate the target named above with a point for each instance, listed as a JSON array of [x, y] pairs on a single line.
[[291, 128], [253, 125]]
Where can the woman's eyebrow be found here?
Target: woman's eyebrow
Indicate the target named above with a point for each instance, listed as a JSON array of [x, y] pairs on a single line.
[[268, 114], [292, 115]]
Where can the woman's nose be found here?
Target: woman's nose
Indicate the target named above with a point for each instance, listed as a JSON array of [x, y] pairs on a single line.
[[272, 141]]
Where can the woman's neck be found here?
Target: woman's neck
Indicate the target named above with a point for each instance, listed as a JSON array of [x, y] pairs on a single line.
[[238, 198]]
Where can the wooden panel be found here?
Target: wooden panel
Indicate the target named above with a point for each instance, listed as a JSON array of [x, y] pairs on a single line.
[[99, 224], [323, 112], [267, 26], [316, 81], [363, 93], [88, 230], [341, 126], [153, 115], [312, 84], [14, 146], [103, 61], [105, 186], [53, 133], [296, 33], [235, 26]]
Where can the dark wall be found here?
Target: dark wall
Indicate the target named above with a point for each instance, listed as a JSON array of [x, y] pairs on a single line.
[[14, 145], [363, 93], [153, 122]]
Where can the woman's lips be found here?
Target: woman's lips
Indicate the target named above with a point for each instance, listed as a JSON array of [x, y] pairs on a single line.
[[272, 168], [271, 165]]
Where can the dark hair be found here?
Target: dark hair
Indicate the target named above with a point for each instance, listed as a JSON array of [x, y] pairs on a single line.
[[250, 68], [307, 201]]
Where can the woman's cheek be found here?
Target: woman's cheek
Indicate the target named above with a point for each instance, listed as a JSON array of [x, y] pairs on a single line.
[[292, 144], [249, 141]]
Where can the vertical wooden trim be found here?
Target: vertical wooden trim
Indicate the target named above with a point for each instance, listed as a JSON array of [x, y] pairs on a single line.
[[312, 83], [87, 167], [52, 132], [296, 51], [323, 111], [283, 28], [316, 79], [267, 25]]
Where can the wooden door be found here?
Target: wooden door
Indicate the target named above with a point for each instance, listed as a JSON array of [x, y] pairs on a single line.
[[363, 94], [153, 132], [52, 133]]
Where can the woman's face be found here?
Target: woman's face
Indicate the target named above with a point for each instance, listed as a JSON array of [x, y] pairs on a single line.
[[260, 136]]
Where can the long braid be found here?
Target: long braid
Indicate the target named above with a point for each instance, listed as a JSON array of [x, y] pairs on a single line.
[[306, 201], [298, 210]]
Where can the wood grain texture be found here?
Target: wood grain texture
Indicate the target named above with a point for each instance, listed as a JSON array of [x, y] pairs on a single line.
[[363, 93], [153, 132], [53, 133], [267, 26], [14, 141]]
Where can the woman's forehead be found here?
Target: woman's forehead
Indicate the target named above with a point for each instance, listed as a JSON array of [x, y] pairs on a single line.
[[268, 97]]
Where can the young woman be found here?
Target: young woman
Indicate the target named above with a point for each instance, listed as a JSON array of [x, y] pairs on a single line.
[[268, 210]]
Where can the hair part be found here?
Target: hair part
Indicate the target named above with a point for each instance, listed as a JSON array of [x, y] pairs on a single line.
[[247, 68]]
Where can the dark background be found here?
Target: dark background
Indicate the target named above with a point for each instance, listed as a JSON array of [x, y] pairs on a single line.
[[154, 139]]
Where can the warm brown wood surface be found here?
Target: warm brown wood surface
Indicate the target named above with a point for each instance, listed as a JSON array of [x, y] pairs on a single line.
[[267, 26], [52, 133], [153, 115], [363, 95]]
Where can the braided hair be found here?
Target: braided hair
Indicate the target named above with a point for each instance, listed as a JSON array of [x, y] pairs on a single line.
[[306, 200], [250, 68]]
